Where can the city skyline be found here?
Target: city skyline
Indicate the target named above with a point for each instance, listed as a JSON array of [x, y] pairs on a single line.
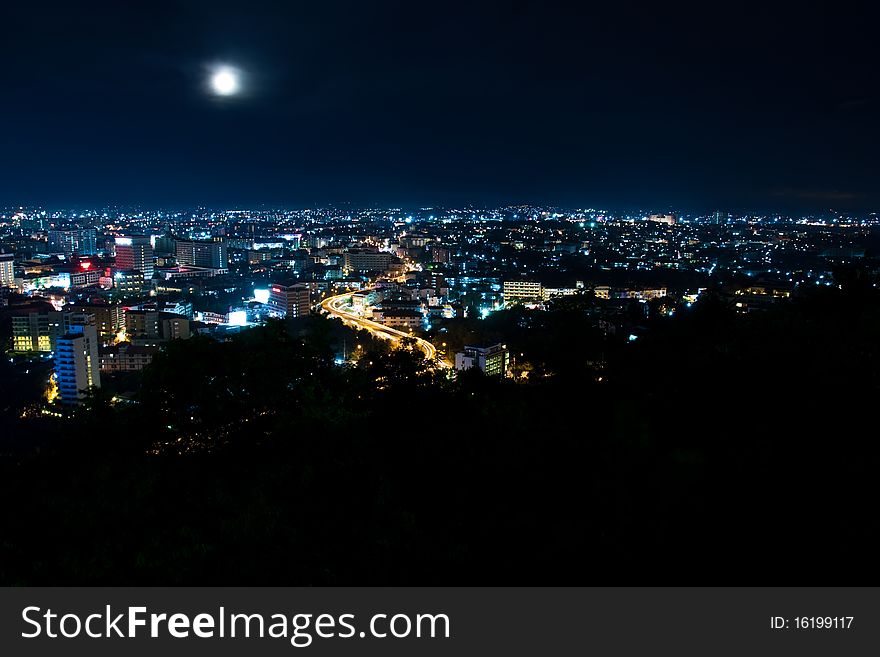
[[464, 293]]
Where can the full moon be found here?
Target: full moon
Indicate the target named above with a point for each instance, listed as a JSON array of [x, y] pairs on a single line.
[[225, 81]]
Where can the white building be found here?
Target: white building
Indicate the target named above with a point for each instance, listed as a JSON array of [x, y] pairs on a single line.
[[494, 359], [522, 290], [7, 272], [77, 364]]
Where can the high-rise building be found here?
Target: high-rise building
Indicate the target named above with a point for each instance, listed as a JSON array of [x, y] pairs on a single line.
[[165, 244], [202, 254], [135, 253], [74, 241], [40, 331], [129, 282], [77, 364], [7, 270], [30, 332], [142, 324], [364, 260], [289, 300], [108, 317], [494, 359]]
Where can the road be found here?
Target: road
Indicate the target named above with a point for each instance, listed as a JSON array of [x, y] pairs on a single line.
[[335, 306]]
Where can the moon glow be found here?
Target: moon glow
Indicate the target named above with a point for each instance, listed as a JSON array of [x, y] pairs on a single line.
[[225, 81]]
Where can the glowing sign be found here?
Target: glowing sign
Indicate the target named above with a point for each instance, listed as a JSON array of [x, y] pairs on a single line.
[[85, 265], [123, 241], [262, 296], [237, 318]]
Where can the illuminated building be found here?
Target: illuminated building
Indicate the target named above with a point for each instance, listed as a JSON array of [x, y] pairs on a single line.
[[211, 318], [142, 324], [398, 317], [294, 241], [40, 331], [188, 271], [151, 327], [289, 300], [256, 257], [176, 307], [522, 290], [362, 260], [74, 241], [202, 254], [668, 219], [30, 332], [108, 317], [602, 291], [7, 271], [164, 244], [494, 359], [414, 241], [85, 276], [554, 292], [175, 327], [77, 364], [440, 254], [128, 282], [45, 281], [126, 357], [135, 254], [644, 293]]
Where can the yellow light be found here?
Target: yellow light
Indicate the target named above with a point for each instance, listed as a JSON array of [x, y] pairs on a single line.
[[52, 390]]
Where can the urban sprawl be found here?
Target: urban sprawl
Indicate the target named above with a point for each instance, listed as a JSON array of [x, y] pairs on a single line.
[[92, 294]]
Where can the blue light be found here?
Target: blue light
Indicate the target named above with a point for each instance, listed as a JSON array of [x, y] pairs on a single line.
[[633, 337]]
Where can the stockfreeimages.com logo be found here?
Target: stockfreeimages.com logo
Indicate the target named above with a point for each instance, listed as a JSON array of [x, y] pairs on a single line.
[[300, 629]]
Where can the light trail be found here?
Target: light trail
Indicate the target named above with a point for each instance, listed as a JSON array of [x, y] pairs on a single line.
[[334, 307]]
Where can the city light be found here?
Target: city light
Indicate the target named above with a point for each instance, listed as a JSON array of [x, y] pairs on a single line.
[[237, 318], [52, 389]]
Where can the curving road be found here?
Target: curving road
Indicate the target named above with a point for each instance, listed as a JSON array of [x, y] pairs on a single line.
[[334, 306]]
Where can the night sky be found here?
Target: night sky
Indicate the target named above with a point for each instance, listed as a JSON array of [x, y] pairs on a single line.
[[701, 106]]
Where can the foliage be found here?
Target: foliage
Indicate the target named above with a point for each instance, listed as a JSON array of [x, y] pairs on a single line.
[[717, 446]]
